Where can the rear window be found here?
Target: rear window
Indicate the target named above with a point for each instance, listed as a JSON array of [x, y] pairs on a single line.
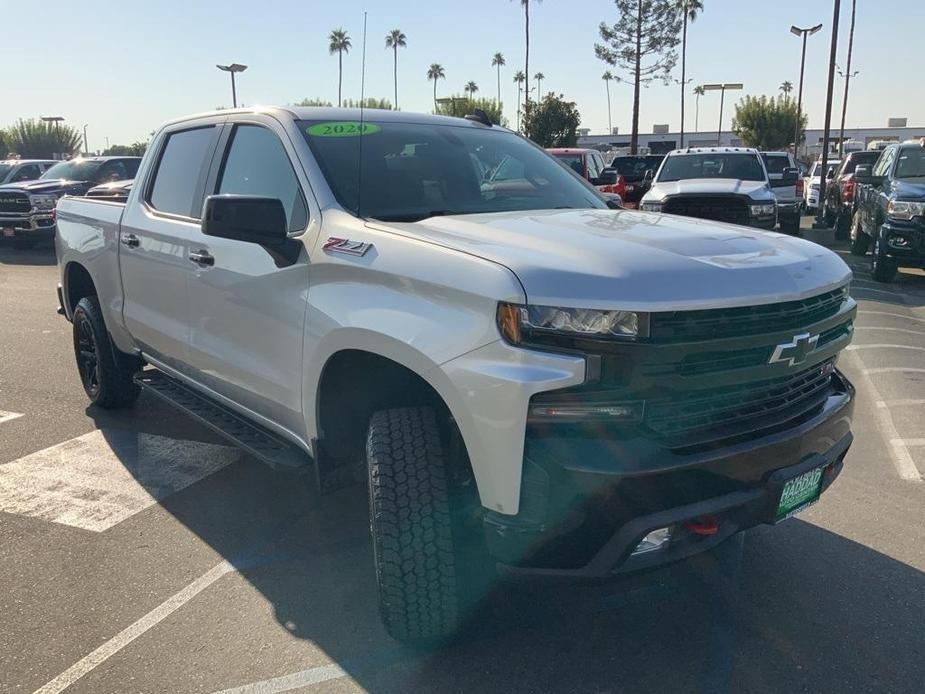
[[178, 171], [634, 168], [776, 163], [857, 159], [573, 161]]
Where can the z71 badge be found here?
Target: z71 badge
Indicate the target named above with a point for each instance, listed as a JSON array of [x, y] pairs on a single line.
[[336, 245]]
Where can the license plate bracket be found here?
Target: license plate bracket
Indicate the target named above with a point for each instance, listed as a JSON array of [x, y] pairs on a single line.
[[795, 488]]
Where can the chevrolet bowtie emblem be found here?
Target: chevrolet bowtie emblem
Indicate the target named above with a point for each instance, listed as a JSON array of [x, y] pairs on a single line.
[[795, 351]]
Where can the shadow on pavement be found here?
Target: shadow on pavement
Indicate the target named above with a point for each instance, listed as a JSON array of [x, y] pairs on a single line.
[[791, 608], [41, 255]]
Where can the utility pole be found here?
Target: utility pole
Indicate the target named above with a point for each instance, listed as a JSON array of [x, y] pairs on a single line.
[[823, 179], [797, 31], [86, 149], [847, 74]]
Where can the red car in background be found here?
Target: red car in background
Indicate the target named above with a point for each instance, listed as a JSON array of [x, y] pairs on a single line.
[[588, 163]]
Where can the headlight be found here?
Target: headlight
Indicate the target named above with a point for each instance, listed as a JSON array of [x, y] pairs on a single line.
[[904, 209], [765, 209], [651, 207], [559, 327], [44, 202]]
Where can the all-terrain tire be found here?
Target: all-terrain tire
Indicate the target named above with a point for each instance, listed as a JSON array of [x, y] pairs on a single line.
[[882, 268], [414, 548], [105, 372]]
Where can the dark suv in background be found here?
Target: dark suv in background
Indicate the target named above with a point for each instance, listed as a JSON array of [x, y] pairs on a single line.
[[634, 169], [839, 192]]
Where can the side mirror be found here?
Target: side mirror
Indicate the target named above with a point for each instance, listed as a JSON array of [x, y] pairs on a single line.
[[790, 175], [862, 174], [608, 177], [249, 218]]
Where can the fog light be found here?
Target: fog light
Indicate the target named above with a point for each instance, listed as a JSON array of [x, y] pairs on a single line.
[[577, 413], [653, 541]]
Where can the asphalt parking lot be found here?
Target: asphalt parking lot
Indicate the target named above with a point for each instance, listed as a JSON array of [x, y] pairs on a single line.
[[139, 553]]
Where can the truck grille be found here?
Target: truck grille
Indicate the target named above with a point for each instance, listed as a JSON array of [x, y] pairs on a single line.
[[14, 202], [716, 324], [732, 209], [703, 416]]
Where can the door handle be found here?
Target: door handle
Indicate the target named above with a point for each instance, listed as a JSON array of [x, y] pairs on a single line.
[[130, 240], [201, 258]]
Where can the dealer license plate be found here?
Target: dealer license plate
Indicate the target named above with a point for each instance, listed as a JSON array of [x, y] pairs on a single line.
[[799, 492]]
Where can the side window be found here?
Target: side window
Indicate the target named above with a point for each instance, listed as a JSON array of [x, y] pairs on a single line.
[[594, 170], [26, 173], [883, 163], [178, 171], [112, 171], [257, 164]]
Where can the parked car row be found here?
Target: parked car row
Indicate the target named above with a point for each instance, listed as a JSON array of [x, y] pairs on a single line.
[[27, 206]]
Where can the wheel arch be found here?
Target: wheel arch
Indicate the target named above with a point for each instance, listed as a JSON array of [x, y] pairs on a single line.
[[78, 283]]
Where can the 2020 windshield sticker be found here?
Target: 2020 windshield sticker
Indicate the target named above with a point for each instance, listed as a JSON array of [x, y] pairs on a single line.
[[342, 129]]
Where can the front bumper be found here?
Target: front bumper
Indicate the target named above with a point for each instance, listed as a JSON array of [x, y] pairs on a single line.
[[39, 225], [587, 502], [912, 254]]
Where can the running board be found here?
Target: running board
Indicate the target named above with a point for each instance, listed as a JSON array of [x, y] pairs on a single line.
[[261, 443]]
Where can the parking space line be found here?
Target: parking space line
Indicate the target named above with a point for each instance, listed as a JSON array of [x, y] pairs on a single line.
[[9, 416], [285, 683], [893, 369], [99, 479], [878, 291], [903, 402], [889, 313], [913, 442], [854, 348], [132, 632], [894, 330], [902, 459]]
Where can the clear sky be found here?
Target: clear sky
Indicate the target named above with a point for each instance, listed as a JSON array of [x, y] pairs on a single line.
[[126, 67]]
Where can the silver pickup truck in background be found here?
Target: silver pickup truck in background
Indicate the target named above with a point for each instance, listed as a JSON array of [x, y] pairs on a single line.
[[519, 375]]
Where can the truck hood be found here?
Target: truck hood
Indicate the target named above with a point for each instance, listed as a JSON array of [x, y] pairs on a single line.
[[636, 260], [759, 190], [47, 185]]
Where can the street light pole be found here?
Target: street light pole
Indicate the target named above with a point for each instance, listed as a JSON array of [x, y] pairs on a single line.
[[823, 178], [797, 31], [86, 149], [847, 74], [233, 68], [721, 88]]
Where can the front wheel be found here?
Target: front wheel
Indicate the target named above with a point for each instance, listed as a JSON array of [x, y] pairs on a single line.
[[882, 268], [105, 372], [414, 547]]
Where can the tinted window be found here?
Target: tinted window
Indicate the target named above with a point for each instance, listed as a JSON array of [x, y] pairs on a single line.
[[743, 167], [182, 161], [74, 170], [911, 163], [634, 168], [574, 161], [859, 158], [27, 173], [113, 171], [411, 171], [257, 164], [883, 163], [776, 163]]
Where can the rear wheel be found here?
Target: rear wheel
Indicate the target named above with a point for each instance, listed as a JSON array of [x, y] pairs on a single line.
[[105, 372], [860, 241], [882, 268], [415, 543]]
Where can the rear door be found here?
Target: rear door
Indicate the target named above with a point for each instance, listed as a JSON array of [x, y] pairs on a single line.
[[160, 221], [247, 305]]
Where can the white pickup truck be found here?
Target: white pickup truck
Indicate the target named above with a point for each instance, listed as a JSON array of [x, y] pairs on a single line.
[[526, 378]]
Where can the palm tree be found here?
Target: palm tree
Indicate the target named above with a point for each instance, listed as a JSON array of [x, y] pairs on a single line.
[[688, 10], [526, 6], [539, 77], [339, 42], [786, 87], [471, 88], [519, 78], [435, 72], [699, 91], [395, 39], [497, 61], [607, 76]]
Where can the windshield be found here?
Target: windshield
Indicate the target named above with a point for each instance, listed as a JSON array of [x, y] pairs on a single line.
[[574, 161], [411, 171], [634, 168], [911, 163], [74, 170], [743, 167]]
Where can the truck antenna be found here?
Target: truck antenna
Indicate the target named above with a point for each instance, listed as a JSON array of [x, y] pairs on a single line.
[[360, 144]]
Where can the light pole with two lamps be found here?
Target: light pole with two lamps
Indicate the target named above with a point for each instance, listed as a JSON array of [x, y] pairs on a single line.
[[797, 31], [721, 88]]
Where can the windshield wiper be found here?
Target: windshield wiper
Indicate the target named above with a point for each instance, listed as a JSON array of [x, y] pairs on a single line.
[[414, 216]]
